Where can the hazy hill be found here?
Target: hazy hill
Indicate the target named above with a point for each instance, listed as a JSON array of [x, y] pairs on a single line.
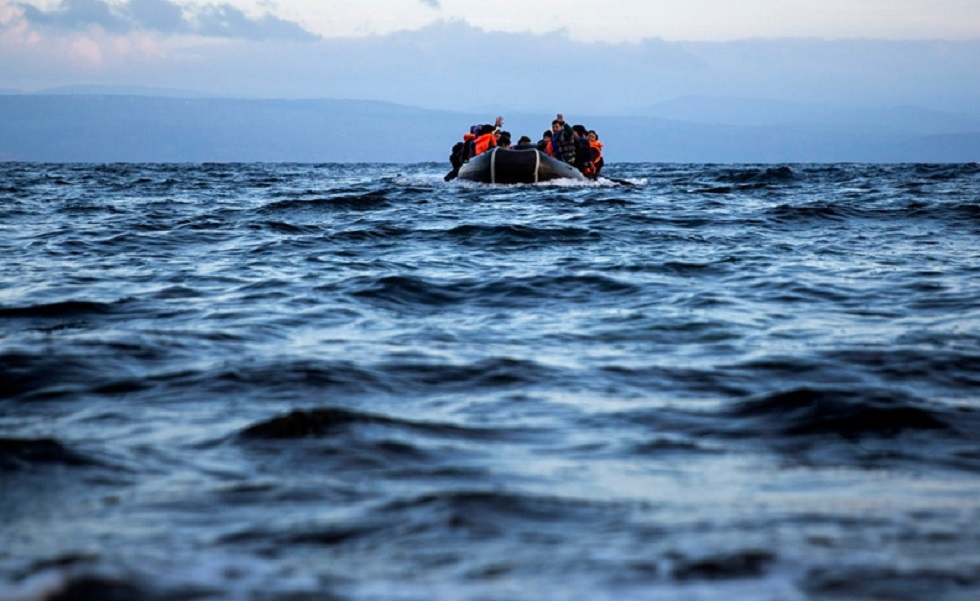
[[106, 90], [812, 116], [108, 128]]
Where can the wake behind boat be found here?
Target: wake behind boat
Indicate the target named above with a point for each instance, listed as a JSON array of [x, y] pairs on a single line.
[[512, 166]]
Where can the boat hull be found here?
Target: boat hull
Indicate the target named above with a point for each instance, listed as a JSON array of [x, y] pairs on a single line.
[[509, 166]]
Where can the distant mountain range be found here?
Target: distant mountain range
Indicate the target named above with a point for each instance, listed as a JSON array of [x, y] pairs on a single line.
[[812, 116], [94, 124], [100, 90]]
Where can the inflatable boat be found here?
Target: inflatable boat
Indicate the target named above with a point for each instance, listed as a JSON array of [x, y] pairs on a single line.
[[510, 166]]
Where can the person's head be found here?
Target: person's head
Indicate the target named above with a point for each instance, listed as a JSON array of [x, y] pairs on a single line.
[[486, 129], [557, 125], [580, 131], [546, 135], [523, 141], [504, 141], [593, 137]]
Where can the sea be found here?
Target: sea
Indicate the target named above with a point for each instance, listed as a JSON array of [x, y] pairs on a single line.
[[359, 382]]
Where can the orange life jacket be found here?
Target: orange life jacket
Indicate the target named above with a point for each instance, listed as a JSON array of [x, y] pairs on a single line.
[[597, 147], [597, 162], [483, 143]]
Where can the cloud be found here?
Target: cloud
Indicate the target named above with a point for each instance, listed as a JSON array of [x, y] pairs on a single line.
[[164, 16], [73, 14], [224, 20], [432, 3]]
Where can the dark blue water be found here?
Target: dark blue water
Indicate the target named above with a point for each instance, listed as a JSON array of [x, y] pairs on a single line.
[[357, 382]]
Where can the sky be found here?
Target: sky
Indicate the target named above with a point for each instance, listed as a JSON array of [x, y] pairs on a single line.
[[581, 20], [633, 20], [381, 49]]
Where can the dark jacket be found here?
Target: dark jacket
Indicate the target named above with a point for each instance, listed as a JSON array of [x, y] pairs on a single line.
[[585, 156], [563, 144]]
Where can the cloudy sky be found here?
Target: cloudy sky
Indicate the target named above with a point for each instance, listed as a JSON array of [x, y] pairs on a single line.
[[632, 20], [584, 20], [307, 48]]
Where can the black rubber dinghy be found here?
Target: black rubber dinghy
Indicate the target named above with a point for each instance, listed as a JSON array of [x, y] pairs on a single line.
[[509, 166]]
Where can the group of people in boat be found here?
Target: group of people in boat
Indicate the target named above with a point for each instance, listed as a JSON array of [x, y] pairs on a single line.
[[572, 144]]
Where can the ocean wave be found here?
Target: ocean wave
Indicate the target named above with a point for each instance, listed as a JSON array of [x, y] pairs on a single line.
[[868, 428], [862, 427], [70, 309], [425, 294], [520, 235], [786, 213], [957, 582], [320, 422], [956, 370], [746, 563], [42, 376], [375, 233], [759, 175], [368, 200], [484, 512], [17, 454], [849, 414]]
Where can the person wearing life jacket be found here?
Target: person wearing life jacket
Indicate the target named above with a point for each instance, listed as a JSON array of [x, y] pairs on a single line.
[[585, 156], [597, 150], [562, 140], [468, 139], [486, 139], [467, 149], [461, 153], [544, 144]]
